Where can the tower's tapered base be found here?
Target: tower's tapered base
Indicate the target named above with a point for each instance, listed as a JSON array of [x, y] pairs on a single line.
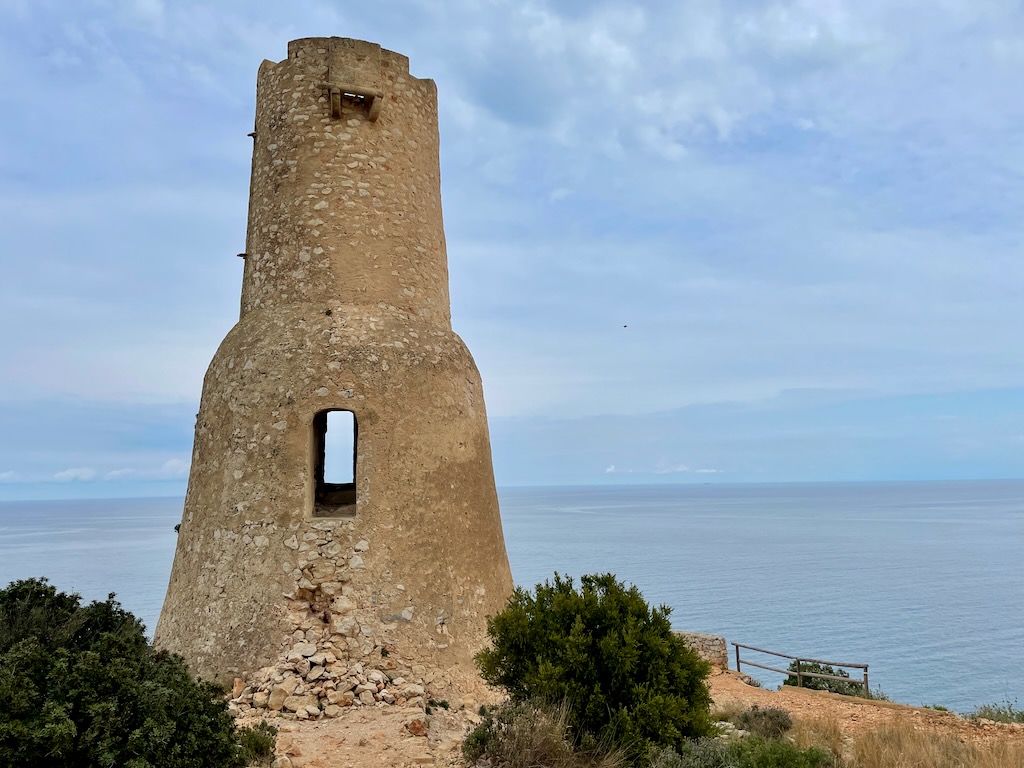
[[405, 580]]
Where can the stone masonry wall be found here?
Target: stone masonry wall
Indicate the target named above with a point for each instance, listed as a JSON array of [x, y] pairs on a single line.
[[711, 648]]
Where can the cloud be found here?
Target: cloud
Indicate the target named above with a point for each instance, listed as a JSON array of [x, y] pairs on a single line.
[[8, 477], [683, 469], [775, 197], [173, 468], [73, 474], [660, 469], [150, 10], [798, 437]]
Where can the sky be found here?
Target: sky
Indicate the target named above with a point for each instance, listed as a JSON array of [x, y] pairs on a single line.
[[688, 241]]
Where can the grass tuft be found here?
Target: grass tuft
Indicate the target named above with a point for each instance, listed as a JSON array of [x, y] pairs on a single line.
[[769, 722], [821, 732], [902, 746], [528, 735]]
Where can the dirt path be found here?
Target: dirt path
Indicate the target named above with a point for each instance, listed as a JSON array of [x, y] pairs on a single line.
[[374, 737]]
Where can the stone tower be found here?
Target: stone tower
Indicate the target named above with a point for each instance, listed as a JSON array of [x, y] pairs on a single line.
[[279, 568]]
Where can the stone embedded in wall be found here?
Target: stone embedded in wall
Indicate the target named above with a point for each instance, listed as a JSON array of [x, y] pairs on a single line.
[[711, 648]]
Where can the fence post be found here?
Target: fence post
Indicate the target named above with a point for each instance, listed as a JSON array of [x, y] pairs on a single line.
[[799, 675], [867, 690], [737, 656]]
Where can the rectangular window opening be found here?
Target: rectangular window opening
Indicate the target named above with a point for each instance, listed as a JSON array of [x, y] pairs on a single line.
[[335, 441]]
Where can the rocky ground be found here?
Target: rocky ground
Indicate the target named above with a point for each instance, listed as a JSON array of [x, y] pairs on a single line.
[[405, 737]]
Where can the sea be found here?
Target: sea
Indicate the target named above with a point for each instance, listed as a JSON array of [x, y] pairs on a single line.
[[924, 582]]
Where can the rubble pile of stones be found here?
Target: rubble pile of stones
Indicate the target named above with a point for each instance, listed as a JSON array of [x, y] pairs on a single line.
[[311, 683], [338, 653]]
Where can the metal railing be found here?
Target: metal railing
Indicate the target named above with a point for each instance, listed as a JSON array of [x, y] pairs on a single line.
[[799, 673]]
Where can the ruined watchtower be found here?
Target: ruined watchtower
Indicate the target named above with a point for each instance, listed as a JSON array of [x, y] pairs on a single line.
[[390, 555]]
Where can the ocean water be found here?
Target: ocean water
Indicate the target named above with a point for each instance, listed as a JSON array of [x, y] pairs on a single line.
[[94, 547], [922, 581]]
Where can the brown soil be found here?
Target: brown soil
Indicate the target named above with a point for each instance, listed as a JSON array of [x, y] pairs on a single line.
[[371, 737], [855, 715], [375, 737]]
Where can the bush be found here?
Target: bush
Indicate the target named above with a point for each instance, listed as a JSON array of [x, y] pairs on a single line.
[[770, 722], [750, 752], [705, 753], [821, 684], [1001, 713], [81, 686], [602, 649], [528, 734], [256, 743]]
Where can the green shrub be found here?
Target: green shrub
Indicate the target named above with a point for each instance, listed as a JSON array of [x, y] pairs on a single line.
[[704, 753], [478, 741], [256, 743], [1001, 713], [749, 752], [81, 686], [602, 649], [433, 704], [821, 684], [770, 722]]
